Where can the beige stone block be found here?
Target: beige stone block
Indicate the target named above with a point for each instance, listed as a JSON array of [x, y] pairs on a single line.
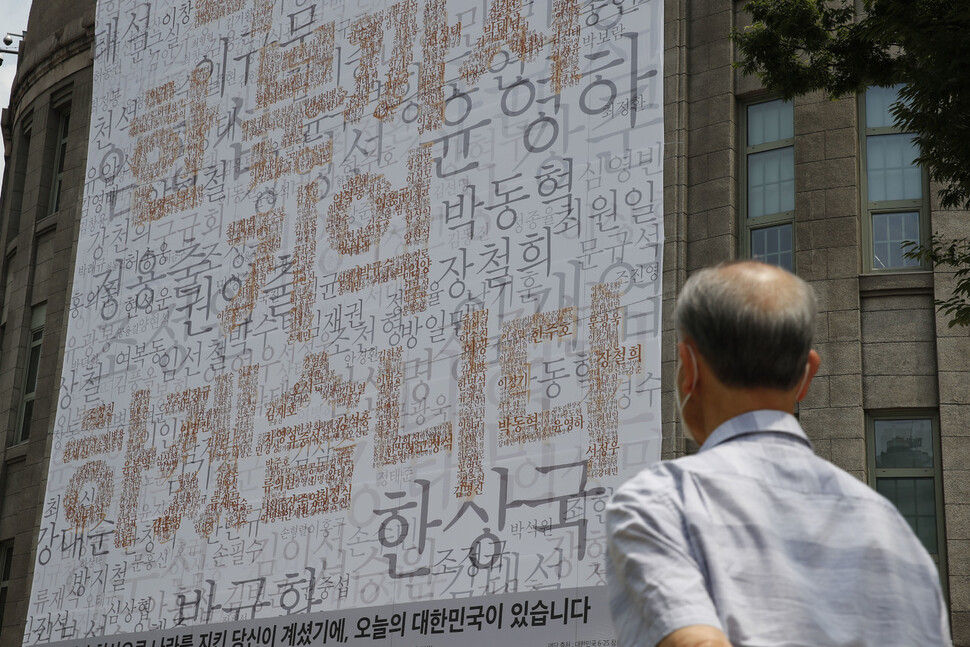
[[849, 454], [826, 174], [840, 111], [818, 394], [960, 627], [822, 447], [955, 452], [821, 330], [954, 354], [810, 264], [831, 423], [696, 228], [943, 327], [668, 443], [954, 387], [714, 55], [721, 53], [840, 358], [944, 280], [699, 56], [842, 142], [709, 27], [899, 391], [742, 18], [747, 85], [837, 294], [956, 485], [676, 10], [959, 592], [898, 359], [710, 139], [668, 406], [824, 233], [809, 147], [712, 194], [697, 169], [721, 221], [710, 251], [844, 262], [723, 163], [845, 391], [836, 232], [842, 201], [670, 278], [954, 419], [709, 83], [873, 302], [892, 326], [950, 223], [807, 116], [809, 205], [676, 110], [674, 49], [957, 521], [706, 112], [843, 325]]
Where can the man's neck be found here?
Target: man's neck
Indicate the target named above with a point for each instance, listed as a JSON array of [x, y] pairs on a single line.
[[726, 403]]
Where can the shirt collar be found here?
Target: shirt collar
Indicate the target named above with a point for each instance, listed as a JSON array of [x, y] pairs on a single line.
[[763, 420]]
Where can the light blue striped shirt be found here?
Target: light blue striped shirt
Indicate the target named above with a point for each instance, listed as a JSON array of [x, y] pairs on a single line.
[[775, 546]]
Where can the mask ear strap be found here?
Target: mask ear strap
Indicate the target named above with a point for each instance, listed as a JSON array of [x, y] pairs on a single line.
[[801, 384], [693, 360]]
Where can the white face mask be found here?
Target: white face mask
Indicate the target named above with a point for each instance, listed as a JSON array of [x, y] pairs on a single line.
[[683, 403], [802, 383]]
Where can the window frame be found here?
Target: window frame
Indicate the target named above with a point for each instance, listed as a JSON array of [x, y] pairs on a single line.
[[871, 208], [748, 225], [935, 472], [17, 178], [61, 111], [6, 276], [6, 568], [29, 392]]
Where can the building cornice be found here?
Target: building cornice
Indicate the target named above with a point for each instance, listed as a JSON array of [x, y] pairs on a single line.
[[74, 41]]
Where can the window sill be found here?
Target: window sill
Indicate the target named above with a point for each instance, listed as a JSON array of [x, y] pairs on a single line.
[[46, 221], [16, 452], [896, 284]]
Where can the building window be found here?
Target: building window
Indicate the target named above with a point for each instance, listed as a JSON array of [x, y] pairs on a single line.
[[905, 467], [768, 183], [18, 177], [6, 565], [62, 116], [38, 315], [8, 284], [895, 188]]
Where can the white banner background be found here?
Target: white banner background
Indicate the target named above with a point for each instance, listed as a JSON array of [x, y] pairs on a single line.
[[366, 311]]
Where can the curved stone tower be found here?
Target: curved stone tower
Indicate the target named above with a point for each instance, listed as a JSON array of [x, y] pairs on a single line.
[[45, 136]]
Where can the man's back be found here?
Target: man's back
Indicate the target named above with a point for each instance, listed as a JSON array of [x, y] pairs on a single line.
[[757, 535]]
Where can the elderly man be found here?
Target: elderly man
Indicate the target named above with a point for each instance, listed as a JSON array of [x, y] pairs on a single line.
[[755, 541]]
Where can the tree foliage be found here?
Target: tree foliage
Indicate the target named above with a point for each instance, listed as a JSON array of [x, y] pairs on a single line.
[[955, 254], [801, 46]]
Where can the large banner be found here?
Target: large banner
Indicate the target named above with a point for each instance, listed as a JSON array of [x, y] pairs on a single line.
[[365, 323]]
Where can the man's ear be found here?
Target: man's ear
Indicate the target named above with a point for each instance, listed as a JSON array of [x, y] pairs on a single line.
[[814, 361], [688, 372]]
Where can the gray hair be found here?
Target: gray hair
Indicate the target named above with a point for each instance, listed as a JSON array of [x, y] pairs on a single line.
[[751, 331]]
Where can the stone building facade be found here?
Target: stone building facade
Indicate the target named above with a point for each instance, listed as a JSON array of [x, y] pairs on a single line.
[[45, 133], [890, 402], [744, 176]]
